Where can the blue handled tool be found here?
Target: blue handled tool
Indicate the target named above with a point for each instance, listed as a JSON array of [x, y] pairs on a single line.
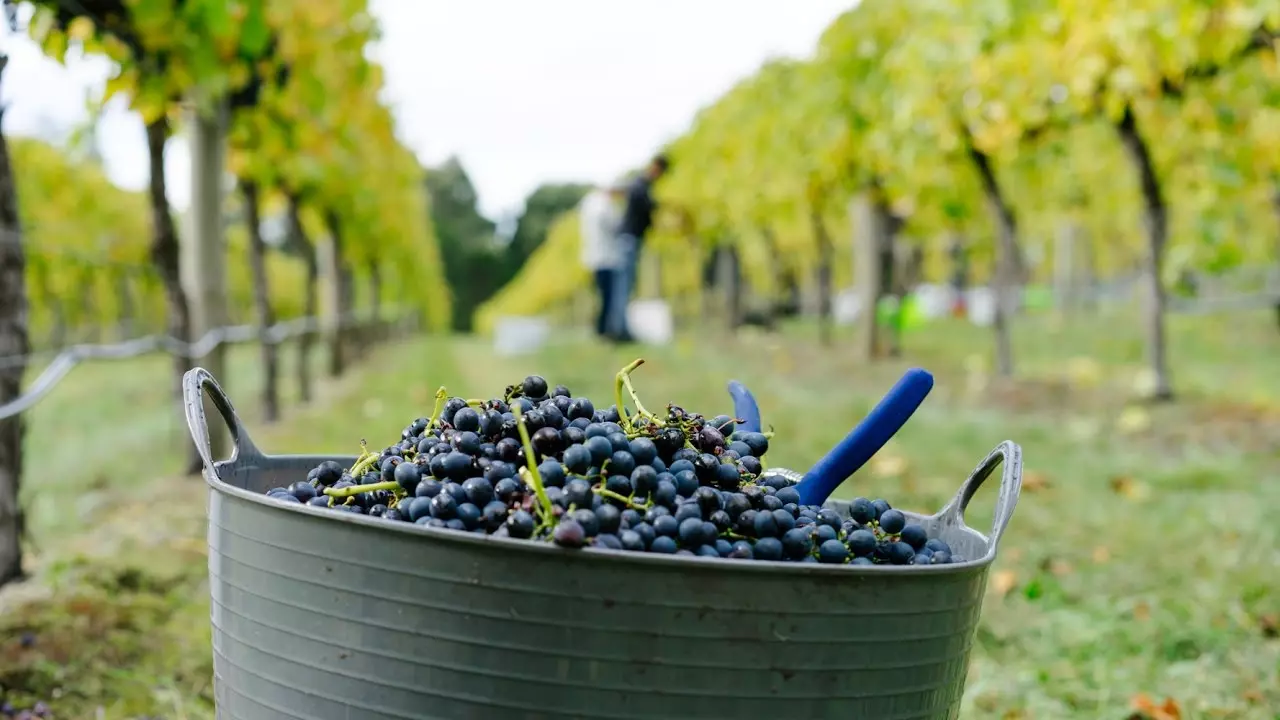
[[867, 438], [745, 409], [857, 447]]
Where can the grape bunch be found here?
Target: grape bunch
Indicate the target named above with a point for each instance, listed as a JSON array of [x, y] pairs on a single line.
[[539, 464]]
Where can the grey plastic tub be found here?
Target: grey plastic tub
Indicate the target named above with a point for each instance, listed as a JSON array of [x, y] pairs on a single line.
[[325, 616]]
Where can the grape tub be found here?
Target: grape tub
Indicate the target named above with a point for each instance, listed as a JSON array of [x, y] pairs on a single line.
[[324, 616]]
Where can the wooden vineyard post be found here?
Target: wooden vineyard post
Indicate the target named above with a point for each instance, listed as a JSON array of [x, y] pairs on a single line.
[[204, 256]]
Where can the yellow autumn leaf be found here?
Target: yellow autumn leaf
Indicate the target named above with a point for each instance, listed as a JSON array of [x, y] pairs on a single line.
[[150, 107], [122, 82], [80, 29], [238, 162], [1003, 581], [1129, 488], [887, 464], [54, 44], [1141, 612], [238, 74], [1084, 371], [1033, 481], [1132, 420]]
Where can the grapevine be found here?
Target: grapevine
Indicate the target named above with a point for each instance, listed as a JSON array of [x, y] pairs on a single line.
[[318, 141], [897, 94]]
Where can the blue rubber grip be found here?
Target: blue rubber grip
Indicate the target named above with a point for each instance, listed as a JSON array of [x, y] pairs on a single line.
[[867, 438], [744, 407]]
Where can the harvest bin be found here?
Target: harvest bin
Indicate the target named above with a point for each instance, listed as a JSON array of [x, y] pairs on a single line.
[[325, 616]]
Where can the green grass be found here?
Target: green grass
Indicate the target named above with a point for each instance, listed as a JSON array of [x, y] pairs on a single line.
[[1142, 557]]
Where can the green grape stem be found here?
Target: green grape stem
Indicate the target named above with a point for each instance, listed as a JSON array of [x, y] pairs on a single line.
[[347, 492], [442, 396], [511, 393], [618, 386], [362, 463], [620, 498], [535, 479], [623, 382]]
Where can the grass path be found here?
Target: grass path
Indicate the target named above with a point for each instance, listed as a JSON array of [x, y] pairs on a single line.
[[1141, 559]]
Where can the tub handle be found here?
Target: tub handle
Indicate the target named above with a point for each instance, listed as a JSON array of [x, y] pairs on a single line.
[[195, 384], [1008, 454]]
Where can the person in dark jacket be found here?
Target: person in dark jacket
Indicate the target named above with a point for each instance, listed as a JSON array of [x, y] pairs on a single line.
[[637, 219]]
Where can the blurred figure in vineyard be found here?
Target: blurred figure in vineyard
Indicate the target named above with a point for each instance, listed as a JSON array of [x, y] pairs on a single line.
[[637, 218], [602, 248]]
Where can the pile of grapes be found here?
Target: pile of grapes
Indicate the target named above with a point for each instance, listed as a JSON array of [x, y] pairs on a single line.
[[540, 464]]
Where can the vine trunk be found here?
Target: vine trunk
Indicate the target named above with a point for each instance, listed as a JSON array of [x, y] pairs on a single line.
[[14, 342], [1155, 216]]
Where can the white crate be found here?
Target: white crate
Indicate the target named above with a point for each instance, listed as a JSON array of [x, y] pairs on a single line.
[[517, 335], [651, 321]]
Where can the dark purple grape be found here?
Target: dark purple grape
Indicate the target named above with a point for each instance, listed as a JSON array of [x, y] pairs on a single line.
[[893, 521], [915, 536], [546, 441], [534, 386], [709, 439], [520, 525], [832, 552], [569, 533]]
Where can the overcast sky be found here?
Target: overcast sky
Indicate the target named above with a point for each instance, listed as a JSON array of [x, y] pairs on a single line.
[[523, 92]]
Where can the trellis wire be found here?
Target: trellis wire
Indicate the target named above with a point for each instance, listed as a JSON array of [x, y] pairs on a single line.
[[68, 358]]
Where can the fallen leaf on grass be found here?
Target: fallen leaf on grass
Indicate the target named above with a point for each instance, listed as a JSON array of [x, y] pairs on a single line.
[[1133, 420], [1270, 624], [1057, 567], [81, 606], [1142, 612], [1253, 696], [1128, 487], [1084, 371], [1033, 481], [888, 465], [1081, 429], [1144, 708], [1004, 581]]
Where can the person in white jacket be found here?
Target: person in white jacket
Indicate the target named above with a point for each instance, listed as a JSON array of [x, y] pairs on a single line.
[[602, 251]]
